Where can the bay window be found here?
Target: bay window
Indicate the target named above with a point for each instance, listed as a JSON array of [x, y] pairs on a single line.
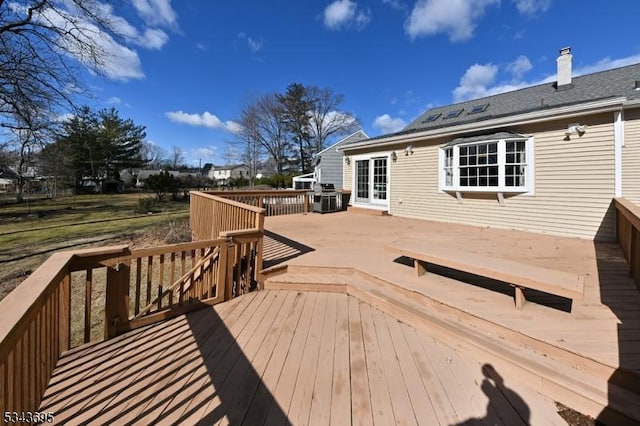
[[494, 163]]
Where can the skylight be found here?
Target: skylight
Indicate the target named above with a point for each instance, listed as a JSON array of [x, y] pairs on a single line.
[[432, 118], [454, 113], [478, 108]]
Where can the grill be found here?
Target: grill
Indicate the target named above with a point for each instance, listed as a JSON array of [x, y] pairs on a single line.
[[325, 198]]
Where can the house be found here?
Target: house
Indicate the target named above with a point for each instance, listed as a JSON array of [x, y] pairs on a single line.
[[144, 175], [548, 158], [329, 164], [221, 175]]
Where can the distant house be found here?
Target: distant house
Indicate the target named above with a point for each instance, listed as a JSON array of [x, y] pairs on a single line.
[[328, 164], [222, 175], [144, 175], [547, 158]]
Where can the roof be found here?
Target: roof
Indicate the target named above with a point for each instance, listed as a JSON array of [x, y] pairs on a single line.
[[358, 136], [610, 84]]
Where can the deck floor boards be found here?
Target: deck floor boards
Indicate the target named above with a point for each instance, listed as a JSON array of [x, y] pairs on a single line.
[[284, 357]]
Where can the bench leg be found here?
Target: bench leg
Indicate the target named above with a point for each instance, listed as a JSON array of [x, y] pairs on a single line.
[[419, 267], [520, 299]]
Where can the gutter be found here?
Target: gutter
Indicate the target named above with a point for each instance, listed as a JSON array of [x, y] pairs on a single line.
[[528, 118]]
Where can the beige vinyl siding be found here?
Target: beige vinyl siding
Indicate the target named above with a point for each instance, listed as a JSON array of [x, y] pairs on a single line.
[[574, 185], [347, 175], [631, 156]]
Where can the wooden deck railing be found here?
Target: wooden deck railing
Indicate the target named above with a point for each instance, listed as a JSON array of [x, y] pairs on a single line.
[[628, 234], [114, 289], [211, 214], [274, 203]]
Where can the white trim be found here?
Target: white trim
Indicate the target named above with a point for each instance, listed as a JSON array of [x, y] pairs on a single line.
[[342, 140], [618, 143]]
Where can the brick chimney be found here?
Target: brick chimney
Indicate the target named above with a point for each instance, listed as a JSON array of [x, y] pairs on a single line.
[[564, 67]]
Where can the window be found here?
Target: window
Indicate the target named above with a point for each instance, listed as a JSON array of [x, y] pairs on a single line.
[[476, 109], [453, 114], [432, 118], [502, 165]]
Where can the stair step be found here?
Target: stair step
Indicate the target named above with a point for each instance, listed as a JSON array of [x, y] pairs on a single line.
[[578, 382]]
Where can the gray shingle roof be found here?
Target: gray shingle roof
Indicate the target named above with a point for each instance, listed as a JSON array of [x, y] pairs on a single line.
[[613, 83]]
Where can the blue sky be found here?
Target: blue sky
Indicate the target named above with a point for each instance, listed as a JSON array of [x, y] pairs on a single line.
[[188, 66]]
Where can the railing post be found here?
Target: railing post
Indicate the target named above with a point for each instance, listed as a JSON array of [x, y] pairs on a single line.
[[64, 314], [116, 310], [231, 256], [306, 203]]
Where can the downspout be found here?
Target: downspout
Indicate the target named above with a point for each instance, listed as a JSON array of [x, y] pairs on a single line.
[[618, 143]]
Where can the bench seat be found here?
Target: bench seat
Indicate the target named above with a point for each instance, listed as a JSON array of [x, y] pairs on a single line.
[[517, 274]]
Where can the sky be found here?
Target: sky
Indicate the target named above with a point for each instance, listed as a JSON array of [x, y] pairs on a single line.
[[186, 68]]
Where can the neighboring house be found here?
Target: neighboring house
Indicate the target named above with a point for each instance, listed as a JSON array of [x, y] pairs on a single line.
[[144, 174], [547, 158], [221, 175], [127, 177], [329, 164]]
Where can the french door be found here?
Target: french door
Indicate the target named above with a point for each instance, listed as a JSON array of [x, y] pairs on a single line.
[[372, 180]]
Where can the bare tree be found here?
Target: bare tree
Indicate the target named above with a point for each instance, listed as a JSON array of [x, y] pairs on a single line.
[[326, 118], [42, 43], [262, 126], [153, 155], [29, 133], [176, 158]]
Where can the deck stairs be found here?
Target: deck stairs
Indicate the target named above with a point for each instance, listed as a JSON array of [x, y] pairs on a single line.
[[567, 377]]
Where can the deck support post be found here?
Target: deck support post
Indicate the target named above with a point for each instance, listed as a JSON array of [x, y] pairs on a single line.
[[116, 309], [519, 297], [419, 267]]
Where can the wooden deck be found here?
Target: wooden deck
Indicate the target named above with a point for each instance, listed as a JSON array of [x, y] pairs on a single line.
[[596, 339], [284, 357]]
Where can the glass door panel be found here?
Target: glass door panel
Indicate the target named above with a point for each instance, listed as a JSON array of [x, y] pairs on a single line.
[[362, 180]]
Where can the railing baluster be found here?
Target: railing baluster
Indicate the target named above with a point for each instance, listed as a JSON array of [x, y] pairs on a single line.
[[149, 277], [136, 310], [160, 281], [87, 306]]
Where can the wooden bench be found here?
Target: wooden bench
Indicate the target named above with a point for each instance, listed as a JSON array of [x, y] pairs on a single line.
[[519, 275]]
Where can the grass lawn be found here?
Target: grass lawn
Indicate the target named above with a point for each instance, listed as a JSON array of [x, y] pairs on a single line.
[[30, 232]]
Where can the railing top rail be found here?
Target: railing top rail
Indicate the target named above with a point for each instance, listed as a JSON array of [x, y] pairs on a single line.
[[630, 210], [242, 233], [152, 251], [271, 192], [230, 202]]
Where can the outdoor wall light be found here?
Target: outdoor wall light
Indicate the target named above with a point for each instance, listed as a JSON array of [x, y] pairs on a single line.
[[394, 156], [347, 160], [408, 150], [574, 129]]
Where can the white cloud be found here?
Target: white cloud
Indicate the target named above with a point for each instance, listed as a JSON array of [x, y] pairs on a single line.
[[606, 64], [156, 12], [344, 14], [206, 119], [519, 67], [480, 80], [532, 7], [114, 100], [396, 4], [388, 124], [254, 45], [457, 18], [475, 81]]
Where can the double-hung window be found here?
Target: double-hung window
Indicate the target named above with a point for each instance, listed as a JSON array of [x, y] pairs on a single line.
[[496, 163]]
